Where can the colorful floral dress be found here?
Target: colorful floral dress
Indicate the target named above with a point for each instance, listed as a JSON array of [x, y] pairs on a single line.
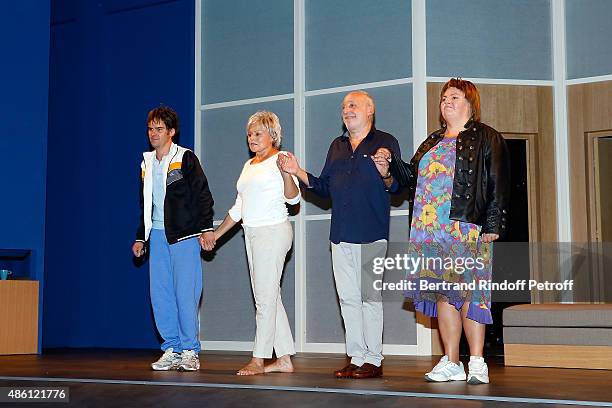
[[445, 245]]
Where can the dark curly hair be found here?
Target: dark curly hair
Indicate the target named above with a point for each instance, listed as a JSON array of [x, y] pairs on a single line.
[[166, 115]]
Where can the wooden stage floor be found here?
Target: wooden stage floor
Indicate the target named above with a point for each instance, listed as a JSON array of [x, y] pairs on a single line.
[[102, 371]]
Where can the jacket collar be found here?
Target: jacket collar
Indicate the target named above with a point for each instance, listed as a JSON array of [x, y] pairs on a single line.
[[468, 125], [151, 155]]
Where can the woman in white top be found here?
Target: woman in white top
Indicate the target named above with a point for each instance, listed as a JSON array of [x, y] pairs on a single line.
[[263, 190]]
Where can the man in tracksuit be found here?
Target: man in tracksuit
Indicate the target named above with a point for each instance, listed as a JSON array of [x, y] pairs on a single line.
[[176, 210]]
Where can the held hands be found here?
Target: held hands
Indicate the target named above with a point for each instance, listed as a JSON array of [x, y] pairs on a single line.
[[381, 159], [287, 162], [208, 240], [138, 249], [487, 238]]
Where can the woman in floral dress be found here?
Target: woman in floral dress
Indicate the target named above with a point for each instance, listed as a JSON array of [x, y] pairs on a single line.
[[459, 177]]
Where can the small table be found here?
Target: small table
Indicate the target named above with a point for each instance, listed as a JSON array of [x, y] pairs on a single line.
[[18, 317]]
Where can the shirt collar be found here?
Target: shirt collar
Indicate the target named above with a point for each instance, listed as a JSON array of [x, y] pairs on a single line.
[[167, 157], [369, 136]]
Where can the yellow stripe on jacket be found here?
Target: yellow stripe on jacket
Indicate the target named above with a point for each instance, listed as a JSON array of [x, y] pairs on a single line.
[[174, 166]]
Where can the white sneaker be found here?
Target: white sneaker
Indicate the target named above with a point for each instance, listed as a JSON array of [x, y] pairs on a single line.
[[189, 361], [169, 361], [446, 370], [478, 371]]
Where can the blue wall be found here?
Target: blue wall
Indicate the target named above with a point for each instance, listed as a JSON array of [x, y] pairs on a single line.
[[111, 61], [23, 112]]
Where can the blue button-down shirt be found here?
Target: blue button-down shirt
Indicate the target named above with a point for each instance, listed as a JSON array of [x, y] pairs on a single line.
[[360, 199]]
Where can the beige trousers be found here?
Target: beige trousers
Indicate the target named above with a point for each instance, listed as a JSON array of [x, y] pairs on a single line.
[[266, 249]]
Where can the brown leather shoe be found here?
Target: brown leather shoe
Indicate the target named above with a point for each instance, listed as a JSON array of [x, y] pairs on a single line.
[[346, 372], [368, 371]]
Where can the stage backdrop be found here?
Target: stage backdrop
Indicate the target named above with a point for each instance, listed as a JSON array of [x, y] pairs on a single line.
[[24, 83], [111, 61]]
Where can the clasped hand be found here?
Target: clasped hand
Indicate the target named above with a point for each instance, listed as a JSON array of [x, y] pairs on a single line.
[[207, 240], [287, 162], [381, 159]]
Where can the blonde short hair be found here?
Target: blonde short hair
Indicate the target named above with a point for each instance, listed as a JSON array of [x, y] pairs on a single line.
[[270, 122]]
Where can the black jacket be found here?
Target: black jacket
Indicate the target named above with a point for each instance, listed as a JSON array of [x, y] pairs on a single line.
[[188, 203], [481, 186]]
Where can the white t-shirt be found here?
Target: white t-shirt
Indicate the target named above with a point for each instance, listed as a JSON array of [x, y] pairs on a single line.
[[261, 195]]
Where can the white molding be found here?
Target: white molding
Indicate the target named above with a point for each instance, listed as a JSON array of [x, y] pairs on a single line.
[[419, 73], [381, 84], [499, 81], [340, 348], [216, 223], [197, 125], [326, 348], [355, 87], [227, 345], [250, 101], [299, 137], [197, 117], [564, 218], [589, 80], [317, 217], [560, 116], [419, 125], [391, 82], [401, 350], [424, 334], [398, 213]]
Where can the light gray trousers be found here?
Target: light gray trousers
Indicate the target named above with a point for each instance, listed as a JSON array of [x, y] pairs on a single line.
[[362, 310]]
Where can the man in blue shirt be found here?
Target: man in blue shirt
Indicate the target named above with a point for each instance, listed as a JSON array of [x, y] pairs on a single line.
[[356, 177]]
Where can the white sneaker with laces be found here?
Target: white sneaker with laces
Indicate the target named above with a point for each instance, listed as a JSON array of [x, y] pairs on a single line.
[[478, 371], [169, 361], [446, 370], [440, 364], [190, 361]]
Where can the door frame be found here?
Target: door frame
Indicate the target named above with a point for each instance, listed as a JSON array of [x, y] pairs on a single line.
[[595, 243], [535, 272]]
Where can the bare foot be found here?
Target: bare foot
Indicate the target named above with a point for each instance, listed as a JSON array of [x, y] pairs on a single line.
[[281, 365], [254, 367]]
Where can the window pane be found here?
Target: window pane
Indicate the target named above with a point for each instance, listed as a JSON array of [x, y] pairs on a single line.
[[589, 50], [247, 49], [489, 39], [357, 41]]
